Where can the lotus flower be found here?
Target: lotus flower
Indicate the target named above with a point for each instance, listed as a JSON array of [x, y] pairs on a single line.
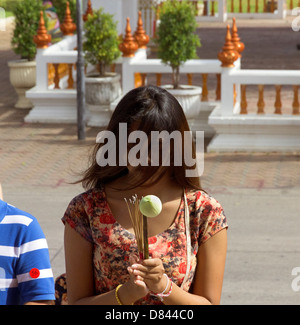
[[150, 206]]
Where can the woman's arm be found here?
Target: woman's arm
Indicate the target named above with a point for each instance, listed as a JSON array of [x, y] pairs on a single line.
[[80, 275], [209, 275], [208, 280]]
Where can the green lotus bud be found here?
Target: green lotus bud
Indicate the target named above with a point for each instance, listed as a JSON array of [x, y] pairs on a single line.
[[150, 206]]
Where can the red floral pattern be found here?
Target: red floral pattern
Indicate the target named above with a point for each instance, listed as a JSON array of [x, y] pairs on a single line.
[[90, 215]]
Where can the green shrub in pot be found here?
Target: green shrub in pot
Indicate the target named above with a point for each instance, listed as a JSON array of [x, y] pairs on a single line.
[[101, 40], [27, 16], [23, 71], [176, 38], [101, 49]]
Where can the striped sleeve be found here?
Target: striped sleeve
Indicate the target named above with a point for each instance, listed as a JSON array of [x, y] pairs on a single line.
[[25, 257], [34, 273]]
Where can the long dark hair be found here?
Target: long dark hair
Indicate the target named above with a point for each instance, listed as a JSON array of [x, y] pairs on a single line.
[[147, 109]]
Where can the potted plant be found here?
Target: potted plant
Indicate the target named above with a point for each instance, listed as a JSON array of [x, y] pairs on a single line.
[[23, 71], [101, 49], [177, 43]]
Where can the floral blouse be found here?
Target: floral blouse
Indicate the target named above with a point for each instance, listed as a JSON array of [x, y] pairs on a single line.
[[90, 215]]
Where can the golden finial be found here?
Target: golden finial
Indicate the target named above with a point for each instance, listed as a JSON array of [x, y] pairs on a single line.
[[89, 11], [42, 39], [239, 46], [228, 54], [68, 27], [140, 35], [129, 44]]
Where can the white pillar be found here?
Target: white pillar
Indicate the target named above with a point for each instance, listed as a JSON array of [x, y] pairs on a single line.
[[222, 10], [227, 102], [281, 9], [127, 75], [41, 70], [130, 9], [121, 9]]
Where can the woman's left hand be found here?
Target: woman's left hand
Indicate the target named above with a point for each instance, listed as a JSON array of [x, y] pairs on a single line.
[[151, 271]]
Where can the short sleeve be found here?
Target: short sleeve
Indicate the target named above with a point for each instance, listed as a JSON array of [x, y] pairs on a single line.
[[212, 218], [207, 217], [34, 255], [77, 217]]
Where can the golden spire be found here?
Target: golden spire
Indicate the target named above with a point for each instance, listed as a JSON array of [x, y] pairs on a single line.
[[228, 54], [239, 46], [68, 27], [140, 35], [89, 11], [42, 39], [129, 44]]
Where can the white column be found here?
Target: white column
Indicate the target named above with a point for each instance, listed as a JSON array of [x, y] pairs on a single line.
[[226, 93], [127, 75], [121, 9], [222, 10], [130, 9], [41, 70], [281, 9]]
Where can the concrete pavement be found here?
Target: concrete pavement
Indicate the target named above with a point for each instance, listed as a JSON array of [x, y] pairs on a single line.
[[258, 191]]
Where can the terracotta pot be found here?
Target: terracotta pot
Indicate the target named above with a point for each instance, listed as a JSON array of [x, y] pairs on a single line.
[[22, 76]]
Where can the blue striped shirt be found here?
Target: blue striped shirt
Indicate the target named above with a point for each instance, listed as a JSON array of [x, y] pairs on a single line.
[[25, 270]]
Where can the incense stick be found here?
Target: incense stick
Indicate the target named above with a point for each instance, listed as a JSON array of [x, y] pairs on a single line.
[[149, 206], [139, 224]]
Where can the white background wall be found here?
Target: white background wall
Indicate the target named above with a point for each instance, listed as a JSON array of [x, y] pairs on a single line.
[[121, 9]]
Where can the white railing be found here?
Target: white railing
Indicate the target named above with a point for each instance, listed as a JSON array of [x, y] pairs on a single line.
[[257, 9], [141, 64], [235, 78], [211, 10], [61, 52], [236, 130], [54, 101], [221, 10]]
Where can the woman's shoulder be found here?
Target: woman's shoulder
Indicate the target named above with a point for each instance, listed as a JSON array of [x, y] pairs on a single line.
[[201, 198], [207, 215], [81, 210], [93, 194]]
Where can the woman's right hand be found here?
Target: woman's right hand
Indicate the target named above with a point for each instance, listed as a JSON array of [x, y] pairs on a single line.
[[136, 287], [137, 280]]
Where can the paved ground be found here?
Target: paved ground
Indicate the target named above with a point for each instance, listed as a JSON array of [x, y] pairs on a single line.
[[258, 191]]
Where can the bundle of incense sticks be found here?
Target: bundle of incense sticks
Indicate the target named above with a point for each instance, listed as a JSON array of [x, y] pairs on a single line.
[[140, 227]]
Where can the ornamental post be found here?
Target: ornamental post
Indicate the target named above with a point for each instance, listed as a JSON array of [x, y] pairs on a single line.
[[42, 40], [68, 27]]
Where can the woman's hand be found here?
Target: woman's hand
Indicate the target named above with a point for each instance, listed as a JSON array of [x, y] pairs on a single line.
[[136, 282], [151, 272]]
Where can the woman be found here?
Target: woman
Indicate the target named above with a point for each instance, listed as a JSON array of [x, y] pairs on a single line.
[[187, 241]]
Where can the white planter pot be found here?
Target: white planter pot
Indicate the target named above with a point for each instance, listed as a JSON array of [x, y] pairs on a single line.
[[22, 76], [100, 92], [189, 97]]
